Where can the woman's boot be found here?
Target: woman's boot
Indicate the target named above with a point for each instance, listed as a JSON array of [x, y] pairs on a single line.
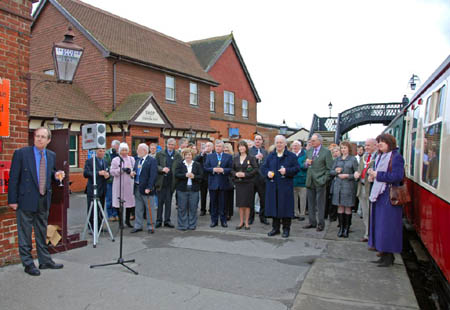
[[388, 260], [127, 217], [340, 217], [346, 225]]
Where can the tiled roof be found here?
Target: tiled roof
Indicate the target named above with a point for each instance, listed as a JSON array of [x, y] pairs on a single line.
[[67, 101], [119, 36], [208, 51]]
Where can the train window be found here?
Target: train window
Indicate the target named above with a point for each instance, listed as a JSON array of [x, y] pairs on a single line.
[[431, 147], [416, 118], [435, 105], [413, 153], [441, 101]]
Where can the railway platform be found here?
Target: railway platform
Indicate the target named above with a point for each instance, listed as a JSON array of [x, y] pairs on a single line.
[[219, 268]]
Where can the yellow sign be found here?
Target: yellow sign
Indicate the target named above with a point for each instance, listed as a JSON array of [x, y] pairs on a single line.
[[4, 107]]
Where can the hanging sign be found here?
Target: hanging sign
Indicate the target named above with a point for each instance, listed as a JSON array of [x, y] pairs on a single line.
[[4, 107]]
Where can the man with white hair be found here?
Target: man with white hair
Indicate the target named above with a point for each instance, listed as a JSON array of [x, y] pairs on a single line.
[[367, 161], [109, 156], [319, 162], [167, 161], [144, 188]]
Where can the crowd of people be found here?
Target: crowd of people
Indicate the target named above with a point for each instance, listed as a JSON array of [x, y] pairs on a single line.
[[292, 181]]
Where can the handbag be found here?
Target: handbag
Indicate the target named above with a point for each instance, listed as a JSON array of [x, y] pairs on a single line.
[[398, 195]]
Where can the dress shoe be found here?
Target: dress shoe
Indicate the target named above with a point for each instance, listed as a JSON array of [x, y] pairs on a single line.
[[51, 265], [129, 225], [273, 232], [388, 260], [263, 220], [309, 226], [285, 233], [250, 221], [247, 227], [228, 218], [169, 224], [213, 225], [239, 227], [224, 224], [158, 225], [371, 249], [319, 228], [301, 218], [202, 213], [364, 240], [32, 270], [135, 230], [151, 231]]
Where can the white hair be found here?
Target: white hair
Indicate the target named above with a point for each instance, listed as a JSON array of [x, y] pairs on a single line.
[[115, 142], [296, 142], [218, 141], [171, 140], [319, 137], [123, 146], [278, 137], [143, 146]]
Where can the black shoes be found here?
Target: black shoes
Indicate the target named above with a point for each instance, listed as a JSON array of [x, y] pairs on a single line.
[[387, 260], [51, 265], [341, 225], [263, 220], [32, 270], [319, 228], [224, 224], [273, 232], [202, 213], [301, 218], [239, 227], [135, 230], [151, 231], [213, 225], [247, 228], [158, 225], [285, 233], [129, 224], [169, 224]]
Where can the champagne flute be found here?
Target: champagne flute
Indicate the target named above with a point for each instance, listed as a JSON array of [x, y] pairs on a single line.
[[60, 177]]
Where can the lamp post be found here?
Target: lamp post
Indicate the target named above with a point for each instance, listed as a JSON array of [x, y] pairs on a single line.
[[190, 135], [56, 123], [330, 106], [283, 128], [413, 81], [66, 57]]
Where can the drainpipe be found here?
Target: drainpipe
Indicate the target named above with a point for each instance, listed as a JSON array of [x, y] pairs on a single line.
[[114, 86]]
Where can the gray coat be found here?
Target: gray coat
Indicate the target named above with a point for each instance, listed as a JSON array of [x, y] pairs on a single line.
[[344, 190]]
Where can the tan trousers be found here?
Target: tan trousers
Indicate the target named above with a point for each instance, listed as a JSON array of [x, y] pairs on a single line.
[[300, 193], [364, 203]]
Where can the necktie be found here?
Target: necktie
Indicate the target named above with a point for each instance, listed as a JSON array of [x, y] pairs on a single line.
[[363, 174], [42, 174], [139, 168], [315, 153]]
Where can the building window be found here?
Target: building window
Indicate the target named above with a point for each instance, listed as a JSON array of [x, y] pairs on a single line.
[[170, 88], [212, 101], [228, 102], [193, 93], [49, 72], [245, 108], [73, 151]]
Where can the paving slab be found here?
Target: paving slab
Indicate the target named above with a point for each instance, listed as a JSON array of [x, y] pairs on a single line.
[[307, 302], [360, 282]]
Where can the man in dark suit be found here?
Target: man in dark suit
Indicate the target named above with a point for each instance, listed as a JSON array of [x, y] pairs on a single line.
[[319, 162], [29, 194], [144, 188], [218, 165], [101, 178], [167, 161], [201, 159], [260, 153]]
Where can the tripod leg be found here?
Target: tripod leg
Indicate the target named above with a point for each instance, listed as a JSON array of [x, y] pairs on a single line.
[[104, 221], [87, 224]]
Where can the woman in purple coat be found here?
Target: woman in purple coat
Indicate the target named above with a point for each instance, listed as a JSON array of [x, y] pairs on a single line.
[[386, 220], [127, 181]]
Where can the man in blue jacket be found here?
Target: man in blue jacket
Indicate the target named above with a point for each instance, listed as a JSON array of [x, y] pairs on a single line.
[[218, 165], [30, 195]]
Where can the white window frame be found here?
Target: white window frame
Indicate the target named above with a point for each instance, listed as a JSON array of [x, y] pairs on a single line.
[[244, 108], [212, 101], [228, 102], [171, 88], [193, 96]]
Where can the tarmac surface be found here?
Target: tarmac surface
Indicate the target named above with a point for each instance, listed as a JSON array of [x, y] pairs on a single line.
[[213, 268]]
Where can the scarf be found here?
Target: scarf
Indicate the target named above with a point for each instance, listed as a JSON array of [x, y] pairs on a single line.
[[379, 187]]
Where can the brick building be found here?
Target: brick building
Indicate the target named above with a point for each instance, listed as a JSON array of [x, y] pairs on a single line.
[[233, 103], [15, 22], [144, 85]]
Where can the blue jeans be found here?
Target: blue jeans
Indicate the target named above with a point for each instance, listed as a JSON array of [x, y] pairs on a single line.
[[112, 212], [187, 209]]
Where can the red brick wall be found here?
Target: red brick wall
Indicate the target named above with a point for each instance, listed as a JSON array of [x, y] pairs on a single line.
[[246, 131], [229, 73], [94, 74], [14, 61], [268, 135]]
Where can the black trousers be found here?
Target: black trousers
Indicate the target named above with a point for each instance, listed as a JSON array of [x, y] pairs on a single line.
[[260, 188], [99, 213], [203, 194], [25, 222], [164, 204], [229, 202], [285, 221]]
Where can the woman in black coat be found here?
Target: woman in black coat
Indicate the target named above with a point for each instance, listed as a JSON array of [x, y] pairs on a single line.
[[188, 175], [244, 170]]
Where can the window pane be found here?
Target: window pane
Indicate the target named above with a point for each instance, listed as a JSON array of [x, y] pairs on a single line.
[[72, 158], [72, 142], [226, 97], [413, 153], [441, 101], [432, 145], [212, 101], [170, 82], [231, 108], [170, 94], [193, 88], [416, 117], [226, 106], [193, 99], [232, 98]]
